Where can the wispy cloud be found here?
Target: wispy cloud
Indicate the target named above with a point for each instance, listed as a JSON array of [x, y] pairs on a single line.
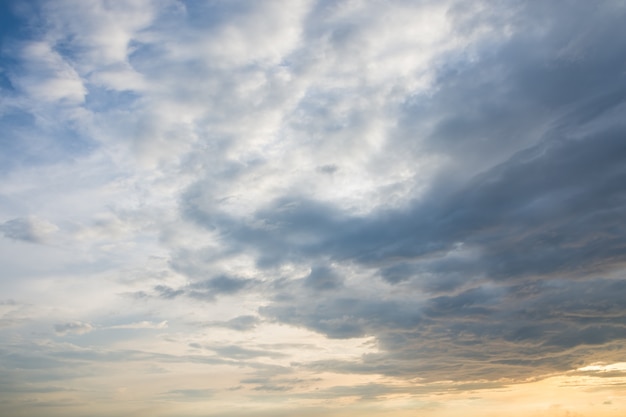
[[140, 325], [76, 327]]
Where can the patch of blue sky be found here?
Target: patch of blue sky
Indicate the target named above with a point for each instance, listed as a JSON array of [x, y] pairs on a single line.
[[101, 100], [69, 48], [19, 20], [9, 22], [10, 26], [13, 150], [23, 143], [142, 55], [204, 14], [6, 87]]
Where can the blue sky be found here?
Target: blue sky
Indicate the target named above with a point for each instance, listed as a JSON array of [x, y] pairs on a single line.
[[312, 207]]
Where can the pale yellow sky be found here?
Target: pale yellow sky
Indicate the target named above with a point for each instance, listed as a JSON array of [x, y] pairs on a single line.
[[176, 389]]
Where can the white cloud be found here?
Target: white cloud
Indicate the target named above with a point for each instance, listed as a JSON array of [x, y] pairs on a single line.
[[98, 33], [140, 325], [75, 327], [45, 75]]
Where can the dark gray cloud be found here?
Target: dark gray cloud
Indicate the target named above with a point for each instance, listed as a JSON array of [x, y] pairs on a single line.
[[206, 290], [164, 292], [515, 331], [322, 278], [542, 205], [341, 316], [222, 284], [509, 263]]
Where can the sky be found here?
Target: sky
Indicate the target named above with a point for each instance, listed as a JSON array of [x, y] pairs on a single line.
[[310, 207]]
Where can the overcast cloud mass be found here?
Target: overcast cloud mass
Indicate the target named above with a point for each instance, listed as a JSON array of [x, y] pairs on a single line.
[[304, 208]]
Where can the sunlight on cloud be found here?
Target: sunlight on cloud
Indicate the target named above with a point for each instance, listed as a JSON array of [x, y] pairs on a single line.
[[604, 367]]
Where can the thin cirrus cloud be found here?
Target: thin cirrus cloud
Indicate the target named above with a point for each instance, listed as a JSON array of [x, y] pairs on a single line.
[[331, 207]]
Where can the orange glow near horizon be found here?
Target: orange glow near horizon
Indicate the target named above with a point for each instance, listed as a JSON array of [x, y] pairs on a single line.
[[591, 391]]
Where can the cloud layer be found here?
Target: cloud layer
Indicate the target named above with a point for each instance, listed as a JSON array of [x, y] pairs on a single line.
[[311, 200]]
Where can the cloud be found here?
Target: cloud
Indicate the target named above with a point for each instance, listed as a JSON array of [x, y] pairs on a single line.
[[239, 323], [515, 332], [46, 76], [14, 314], [140, 325], [167, 292], [389, 195], [189, 394], [530, 200], [78, 327], [219, 285], [322, 278], [75, 327], [239, 352], [28, 229]]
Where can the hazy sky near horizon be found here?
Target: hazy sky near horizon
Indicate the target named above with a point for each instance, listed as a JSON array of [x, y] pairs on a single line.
[[279, 208]]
